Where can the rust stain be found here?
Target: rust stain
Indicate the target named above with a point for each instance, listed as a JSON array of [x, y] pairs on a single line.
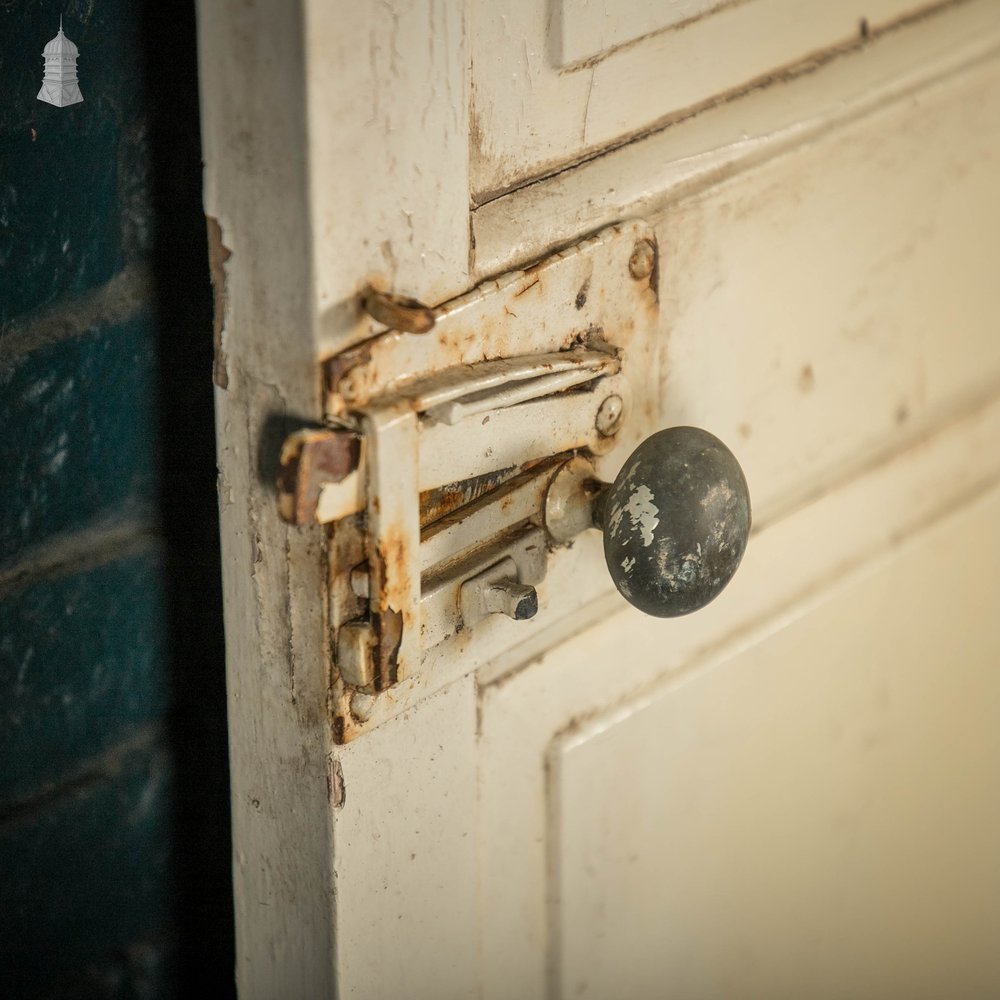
[[337, 367], [397, 562], [807, 379], [390, 566], [218, 254], [441, 502], [392, 558], [389, 626], [309, 459], [397, 312], [338, 730], [436, 503], [654, 278]]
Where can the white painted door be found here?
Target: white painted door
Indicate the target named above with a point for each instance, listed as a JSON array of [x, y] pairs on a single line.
[[792, 792]]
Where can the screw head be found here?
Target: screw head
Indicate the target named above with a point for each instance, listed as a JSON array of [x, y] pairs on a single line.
[[640, 264], [347, 389], [362, 705], [609, 416]]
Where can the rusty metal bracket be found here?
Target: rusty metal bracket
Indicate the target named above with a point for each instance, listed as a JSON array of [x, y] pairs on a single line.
[[397, 312], [440, 448], [311, 460]]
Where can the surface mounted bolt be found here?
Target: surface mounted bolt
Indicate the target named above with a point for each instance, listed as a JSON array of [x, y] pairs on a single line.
[[497, 591], [362, 705], [512, 599], [569, 503], [347, 389], [355, 642], [609, 416], [640, 264]]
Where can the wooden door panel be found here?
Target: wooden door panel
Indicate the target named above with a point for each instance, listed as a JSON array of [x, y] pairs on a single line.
[[779, 766], [699, 149], [615, 667], [812, 311], [554, 82], [816, 815]]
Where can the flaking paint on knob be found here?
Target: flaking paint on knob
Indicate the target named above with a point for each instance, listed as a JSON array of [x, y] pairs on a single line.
[[676, 522]]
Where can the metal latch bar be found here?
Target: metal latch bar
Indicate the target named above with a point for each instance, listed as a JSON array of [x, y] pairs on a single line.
[[393, 540], [492, 385], [512, 435]]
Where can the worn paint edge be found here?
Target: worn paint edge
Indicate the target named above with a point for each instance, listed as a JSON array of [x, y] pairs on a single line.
[[218, 254]]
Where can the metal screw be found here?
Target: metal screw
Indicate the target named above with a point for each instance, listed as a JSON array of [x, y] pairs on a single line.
[[362, 705], [609, 416], [640, 264], [347, 389]]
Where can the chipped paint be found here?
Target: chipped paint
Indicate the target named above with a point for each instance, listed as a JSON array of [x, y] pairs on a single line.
[[218, 255], [336, 789], [642, 514]]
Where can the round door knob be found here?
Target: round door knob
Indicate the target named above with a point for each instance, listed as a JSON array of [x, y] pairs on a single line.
[[675, 520]]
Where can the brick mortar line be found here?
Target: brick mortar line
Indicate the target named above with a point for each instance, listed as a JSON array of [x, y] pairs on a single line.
[[80, 550], [126, 295], [104, 766]]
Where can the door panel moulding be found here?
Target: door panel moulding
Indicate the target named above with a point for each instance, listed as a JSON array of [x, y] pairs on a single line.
[[733, 136]]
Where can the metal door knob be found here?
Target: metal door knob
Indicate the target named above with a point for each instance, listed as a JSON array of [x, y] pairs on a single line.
[[675, 520]]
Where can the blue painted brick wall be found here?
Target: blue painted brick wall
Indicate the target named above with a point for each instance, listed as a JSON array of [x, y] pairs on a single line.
[[80, 428], [114, 847], [82, 667], [87, 891]]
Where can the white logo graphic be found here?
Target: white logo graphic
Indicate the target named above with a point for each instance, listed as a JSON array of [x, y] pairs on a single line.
[[59, 86]]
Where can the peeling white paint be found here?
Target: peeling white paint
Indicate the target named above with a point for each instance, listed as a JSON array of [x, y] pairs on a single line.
[[643, 511]]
